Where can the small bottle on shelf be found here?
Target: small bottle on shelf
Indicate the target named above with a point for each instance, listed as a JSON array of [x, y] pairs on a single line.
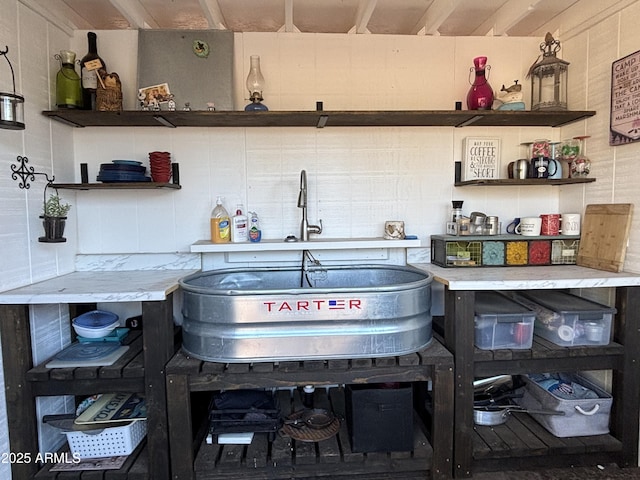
[[307, 395], [239, 226]]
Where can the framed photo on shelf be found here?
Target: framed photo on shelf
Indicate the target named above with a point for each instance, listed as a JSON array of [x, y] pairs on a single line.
[[155, 94]]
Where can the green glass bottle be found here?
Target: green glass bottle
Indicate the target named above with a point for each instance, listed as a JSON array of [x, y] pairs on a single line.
[[68, 86]]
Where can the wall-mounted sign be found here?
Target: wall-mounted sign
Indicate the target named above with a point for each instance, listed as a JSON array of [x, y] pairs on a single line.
[[625, 100], [480, 158]]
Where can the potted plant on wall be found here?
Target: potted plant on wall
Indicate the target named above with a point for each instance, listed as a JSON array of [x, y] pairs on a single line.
[[54, 218]]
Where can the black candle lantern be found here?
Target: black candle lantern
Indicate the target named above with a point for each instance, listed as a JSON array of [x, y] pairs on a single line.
[[549, 78], [11, 104]]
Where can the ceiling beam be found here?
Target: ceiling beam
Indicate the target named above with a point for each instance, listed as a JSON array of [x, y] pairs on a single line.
[[363, 15], [59, 19], [506, 17], [434, 17], [577, 19], [135, 13], [213, 14], [288, 18]]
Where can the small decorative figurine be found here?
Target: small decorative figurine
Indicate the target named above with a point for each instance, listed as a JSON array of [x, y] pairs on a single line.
[[141, 99], [510, 98], [187, 107], [171, 104]]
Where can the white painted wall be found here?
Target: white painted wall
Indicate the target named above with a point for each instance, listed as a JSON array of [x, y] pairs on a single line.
[[32, 41], [358, 177], [616, 168]]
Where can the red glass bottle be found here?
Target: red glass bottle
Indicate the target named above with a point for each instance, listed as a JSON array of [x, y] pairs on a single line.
[[480, 96]]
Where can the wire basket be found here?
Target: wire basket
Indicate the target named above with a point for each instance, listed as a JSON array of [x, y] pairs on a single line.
[[109, 442]]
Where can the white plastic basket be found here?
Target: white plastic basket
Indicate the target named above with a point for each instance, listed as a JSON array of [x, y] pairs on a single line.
[[108, 442]]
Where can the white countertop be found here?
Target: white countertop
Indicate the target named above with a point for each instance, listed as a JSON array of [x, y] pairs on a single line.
[[92, 286], [526, 278]]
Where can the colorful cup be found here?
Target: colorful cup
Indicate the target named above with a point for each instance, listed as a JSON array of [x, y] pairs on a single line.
[[550, 224]]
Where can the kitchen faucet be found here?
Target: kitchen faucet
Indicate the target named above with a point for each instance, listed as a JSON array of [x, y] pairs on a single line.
[[305, 228]]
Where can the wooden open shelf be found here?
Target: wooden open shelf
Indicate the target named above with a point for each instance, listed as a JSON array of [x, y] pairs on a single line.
[[416, 118], [116, 186], [528, 181]]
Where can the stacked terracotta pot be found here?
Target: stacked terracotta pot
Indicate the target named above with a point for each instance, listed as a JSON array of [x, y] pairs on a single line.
[[160, 163]]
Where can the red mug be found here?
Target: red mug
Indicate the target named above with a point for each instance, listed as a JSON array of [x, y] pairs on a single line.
[[550, 224]]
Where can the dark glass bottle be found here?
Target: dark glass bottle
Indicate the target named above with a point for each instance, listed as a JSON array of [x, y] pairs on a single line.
[[90, 75]]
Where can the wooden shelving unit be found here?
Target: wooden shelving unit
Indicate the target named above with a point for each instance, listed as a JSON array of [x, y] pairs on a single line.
[[407, 118], [285, 458]]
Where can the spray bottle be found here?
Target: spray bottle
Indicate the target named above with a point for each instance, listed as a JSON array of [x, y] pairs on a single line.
[[255, 234]]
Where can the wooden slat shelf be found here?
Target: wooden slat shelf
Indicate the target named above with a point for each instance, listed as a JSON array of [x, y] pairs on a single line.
[[126, 374], [522, 436], [411, 118], [116, 186], [192, 459], [135, 468], [520, 182], [285, 458], [406, 368]]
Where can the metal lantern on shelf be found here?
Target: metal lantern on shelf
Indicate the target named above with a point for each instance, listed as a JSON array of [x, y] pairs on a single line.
[[549, 78], [11, 104]]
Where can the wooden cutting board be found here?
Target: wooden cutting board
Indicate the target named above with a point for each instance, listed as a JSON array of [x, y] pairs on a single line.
[[604, 236]]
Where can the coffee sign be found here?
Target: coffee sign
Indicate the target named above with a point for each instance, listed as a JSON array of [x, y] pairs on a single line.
[[480, 158]]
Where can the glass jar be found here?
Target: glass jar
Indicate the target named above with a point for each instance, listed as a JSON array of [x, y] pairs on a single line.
[[68, 85], [569, 150], [580, 164]]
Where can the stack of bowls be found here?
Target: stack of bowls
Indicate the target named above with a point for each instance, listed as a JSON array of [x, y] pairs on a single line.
[[160, 163]]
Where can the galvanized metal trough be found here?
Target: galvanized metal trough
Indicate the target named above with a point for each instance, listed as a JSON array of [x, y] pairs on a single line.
[[264, 314]]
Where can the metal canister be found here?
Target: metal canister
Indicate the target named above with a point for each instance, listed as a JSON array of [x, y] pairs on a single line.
[[492, 226], [521, 169]]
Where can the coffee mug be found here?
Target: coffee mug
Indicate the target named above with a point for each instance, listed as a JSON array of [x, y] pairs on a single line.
[[558, 169], [511, 228], [394, 230], [543, 167], [550, 224], [570, 224], [529, 226]]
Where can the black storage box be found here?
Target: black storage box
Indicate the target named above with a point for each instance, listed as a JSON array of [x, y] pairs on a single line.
[[380, 419], [238, 411]]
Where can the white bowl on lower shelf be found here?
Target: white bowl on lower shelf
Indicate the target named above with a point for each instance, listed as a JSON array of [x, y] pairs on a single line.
[[95, 324]]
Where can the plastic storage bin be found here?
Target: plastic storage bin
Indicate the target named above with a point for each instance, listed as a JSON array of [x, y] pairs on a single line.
[[380, 419], [581, 417], [567, 320], [501, 322], [109, 442]]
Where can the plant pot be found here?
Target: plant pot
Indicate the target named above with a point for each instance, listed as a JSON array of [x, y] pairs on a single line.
[[53, 229]]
